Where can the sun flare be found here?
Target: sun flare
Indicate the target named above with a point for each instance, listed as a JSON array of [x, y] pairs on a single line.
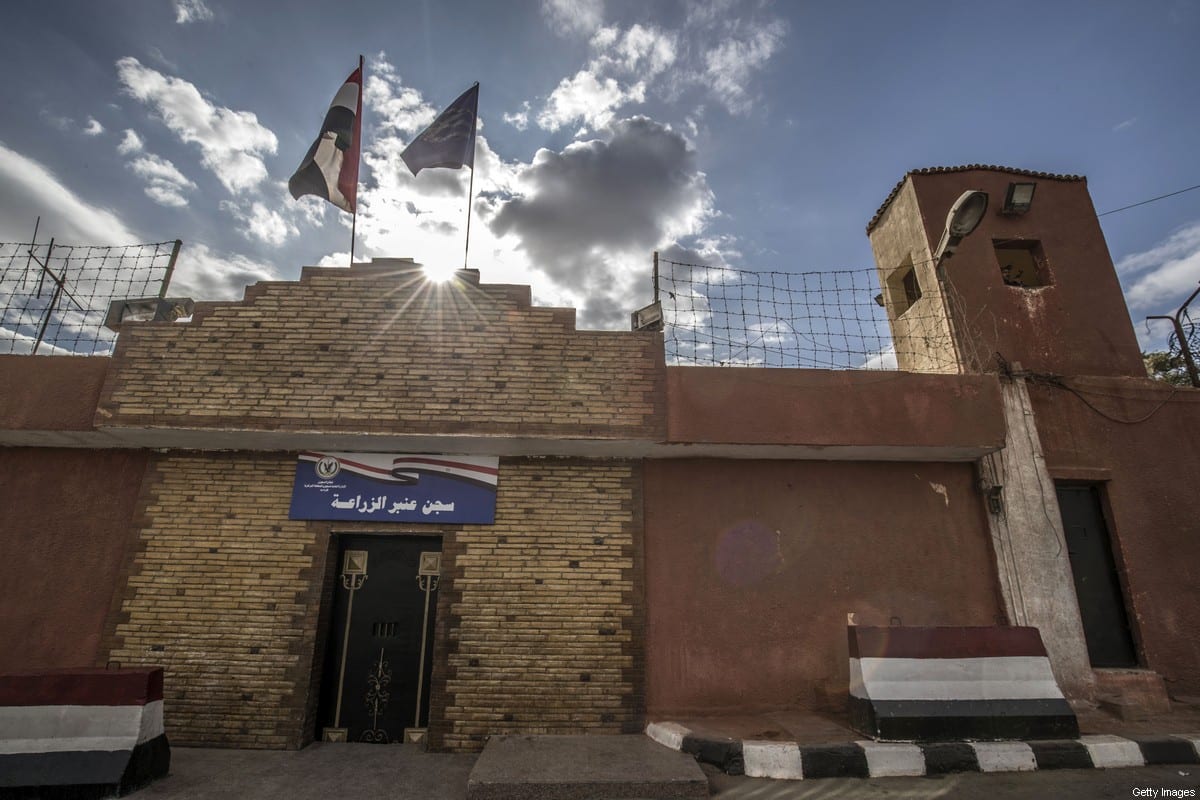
[[438, 273]]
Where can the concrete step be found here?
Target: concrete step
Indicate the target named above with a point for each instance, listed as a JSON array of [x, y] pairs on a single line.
[[577, 767]]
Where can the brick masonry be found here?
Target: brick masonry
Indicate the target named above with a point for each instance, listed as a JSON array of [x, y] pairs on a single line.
[[376, 349], [539, 624]]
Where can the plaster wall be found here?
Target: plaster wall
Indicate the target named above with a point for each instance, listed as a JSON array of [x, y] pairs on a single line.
[[922, 333], [1078, 324], [752, 566], [50, 393], [1140, 441], [1032, 561], [901, 412], [66, 526]]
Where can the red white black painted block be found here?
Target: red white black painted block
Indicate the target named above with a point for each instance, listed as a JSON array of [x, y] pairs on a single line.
[[868, 759], [943, 684], [81, 732]]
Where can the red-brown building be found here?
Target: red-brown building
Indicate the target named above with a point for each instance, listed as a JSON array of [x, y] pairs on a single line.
[[663, 540]]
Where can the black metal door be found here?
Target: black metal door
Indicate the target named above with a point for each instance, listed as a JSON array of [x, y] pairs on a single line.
[[380, 651], [1101, 603]]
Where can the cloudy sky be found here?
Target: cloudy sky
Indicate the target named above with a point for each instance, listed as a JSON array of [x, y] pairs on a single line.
[[755, 134]]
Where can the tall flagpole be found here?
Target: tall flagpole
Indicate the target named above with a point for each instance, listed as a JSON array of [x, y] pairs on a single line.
[[362, 82], [471, 185], [470, 195]]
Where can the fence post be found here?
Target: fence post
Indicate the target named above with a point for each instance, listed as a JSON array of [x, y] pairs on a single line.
[[58, 287], [1184, 347], [170, 268], [656, 276]]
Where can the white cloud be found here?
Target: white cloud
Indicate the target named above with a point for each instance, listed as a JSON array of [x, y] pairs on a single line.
[[616, 75], [308, 208], [1120, 126], [570, 17], [645, 50], [55, 120], [27, 189], [394, 106], [232, 143], [93, 127], [204, 274], [20, 344], [519, 119], [192, 11], [262, 223], [588, 98], [577, 225], [714, 49], [130, 143], [1159, 279], [165, 184], [884, 359], [729, 65]]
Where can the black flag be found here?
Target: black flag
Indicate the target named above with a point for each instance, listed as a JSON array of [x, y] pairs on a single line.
[[450, 140]]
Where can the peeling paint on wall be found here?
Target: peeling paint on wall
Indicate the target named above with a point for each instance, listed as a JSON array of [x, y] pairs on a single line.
[[940, 488]]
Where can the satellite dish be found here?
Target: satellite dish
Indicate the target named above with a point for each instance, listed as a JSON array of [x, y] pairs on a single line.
[[965, 215]]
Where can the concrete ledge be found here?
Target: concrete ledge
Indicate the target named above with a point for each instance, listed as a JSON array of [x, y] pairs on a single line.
[[866, 759]]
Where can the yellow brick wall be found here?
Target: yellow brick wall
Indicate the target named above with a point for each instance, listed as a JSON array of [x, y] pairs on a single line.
[[376, 349], [220, 593], [544, 632], [539, 624]]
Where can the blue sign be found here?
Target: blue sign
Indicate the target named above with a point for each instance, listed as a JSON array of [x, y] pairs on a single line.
[[389, 487]]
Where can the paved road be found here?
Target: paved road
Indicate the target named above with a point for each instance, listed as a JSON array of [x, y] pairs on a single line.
[[318, 772], [348, 772], [1068, 784]]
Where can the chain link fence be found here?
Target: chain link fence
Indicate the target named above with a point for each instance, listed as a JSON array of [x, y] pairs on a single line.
[[54, 298], [837, 319]]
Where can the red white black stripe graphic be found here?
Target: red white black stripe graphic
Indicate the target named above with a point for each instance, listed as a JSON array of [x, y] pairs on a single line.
[[82, 728], [330, 168], [406, 469], [952, 683]]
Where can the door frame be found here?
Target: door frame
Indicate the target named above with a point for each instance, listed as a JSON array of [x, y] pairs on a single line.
[[329, 577], [1100, 486]]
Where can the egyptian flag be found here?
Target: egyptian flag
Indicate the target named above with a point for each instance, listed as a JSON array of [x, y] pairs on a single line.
[[330, 169], [450, 140]]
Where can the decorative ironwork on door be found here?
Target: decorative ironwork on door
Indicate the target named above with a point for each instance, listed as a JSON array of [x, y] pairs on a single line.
[[379, 660]]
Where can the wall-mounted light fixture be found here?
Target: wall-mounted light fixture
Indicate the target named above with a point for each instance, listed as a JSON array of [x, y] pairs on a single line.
[[1019, 198], [963, 218], [995, 499], [649, 318], [147, 309]]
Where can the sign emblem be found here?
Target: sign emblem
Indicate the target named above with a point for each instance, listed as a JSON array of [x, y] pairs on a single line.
[[327, 467]]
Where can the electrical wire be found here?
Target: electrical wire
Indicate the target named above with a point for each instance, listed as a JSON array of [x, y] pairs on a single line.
[[1151, 200]]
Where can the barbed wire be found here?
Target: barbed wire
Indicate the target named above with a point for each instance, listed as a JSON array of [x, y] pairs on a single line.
[[54, 298], [837, 319]]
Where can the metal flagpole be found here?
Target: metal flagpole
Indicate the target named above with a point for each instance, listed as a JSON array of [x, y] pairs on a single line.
[[470, 194], [471, 185], [362, 78]]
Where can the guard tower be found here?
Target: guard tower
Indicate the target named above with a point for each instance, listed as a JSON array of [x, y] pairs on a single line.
[[1033, 283]]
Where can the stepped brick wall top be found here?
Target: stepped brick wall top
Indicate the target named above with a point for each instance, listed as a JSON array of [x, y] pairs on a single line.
[[375, 348]]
